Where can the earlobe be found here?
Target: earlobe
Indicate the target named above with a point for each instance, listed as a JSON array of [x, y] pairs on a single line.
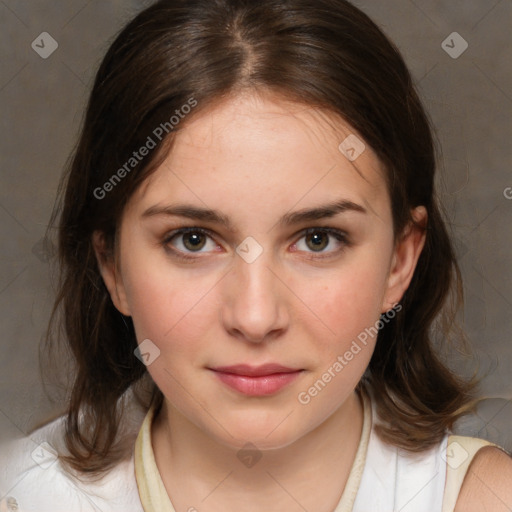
[[405, 258], [109, 273]]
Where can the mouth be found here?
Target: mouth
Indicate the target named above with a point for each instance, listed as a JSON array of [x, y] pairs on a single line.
[[256, 380]]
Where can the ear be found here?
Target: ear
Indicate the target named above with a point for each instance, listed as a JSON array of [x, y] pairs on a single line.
[[109, 273], [405, 257]]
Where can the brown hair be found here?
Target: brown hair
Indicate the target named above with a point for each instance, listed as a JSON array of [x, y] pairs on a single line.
[[323, 53]]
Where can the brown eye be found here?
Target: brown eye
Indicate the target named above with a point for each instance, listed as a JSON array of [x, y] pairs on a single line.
[[194, 241], [317, 241]]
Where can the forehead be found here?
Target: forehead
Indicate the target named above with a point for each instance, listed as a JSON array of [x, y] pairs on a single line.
[[255, 146]]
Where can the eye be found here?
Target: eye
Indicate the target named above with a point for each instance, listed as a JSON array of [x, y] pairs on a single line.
[[190, 240], [321, 240]]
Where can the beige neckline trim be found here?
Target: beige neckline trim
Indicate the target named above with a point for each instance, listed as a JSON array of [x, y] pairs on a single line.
[[154, 497]]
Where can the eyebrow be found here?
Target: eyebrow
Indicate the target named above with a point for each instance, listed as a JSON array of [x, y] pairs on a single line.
[[208, 215]]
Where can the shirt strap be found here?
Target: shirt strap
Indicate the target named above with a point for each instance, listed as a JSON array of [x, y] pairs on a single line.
[[152, 492], [348, 498]]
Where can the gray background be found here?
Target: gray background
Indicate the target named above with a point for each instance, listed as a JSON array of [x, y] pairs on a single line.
[[470, 102]]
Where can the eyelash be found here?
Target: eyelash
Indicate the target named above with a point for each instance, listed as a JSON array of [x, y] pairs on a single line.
[[339, 235]]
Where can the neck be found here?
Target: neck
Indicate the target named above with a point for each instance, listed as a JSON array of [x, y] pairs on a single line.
[[198, 470]]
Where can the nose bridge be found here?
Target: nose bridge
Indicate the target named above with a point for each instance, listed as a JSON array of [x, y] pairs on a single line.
[[255, 306], [256, 279]]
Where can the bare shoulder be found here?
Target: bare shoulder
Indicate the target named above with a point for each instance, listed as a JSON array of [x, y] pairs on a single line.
[[487, 485]]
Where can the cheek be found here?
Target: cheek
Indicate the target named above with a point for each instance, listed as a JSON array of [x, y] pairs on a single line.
[[348, 303], [177, 318], [347, 300], [178, 314], [169, 306]]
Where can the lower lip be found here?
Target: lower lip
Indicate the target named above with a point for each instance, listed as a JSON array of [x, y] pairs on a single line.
[[258, 386]]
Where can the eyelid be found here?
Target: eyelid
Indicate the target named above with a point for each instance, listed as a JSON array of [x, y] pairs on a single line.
[[187, 229], [326, 229]]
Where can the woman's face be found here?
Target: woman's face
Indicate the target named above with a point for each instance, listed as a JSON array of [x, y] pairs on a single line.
[[288, 259]]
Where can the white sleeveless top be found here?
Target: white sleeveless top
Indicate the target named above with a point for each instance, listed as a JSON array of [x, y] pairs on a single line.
[[382, 479]]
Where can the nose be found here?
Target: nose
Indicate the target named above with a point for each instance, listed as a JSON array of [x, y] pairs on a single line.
[[254, 305]]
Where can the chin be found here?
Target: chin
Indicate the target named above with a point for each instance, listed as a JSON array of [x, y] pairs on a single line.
[[265, 435]]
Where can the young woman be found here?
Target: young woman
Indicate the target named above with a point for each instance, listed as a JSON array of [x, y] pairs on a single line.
[[254, 266]]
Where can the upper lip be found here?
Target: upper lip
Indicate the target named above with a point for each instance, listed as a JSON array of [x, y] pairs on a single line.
[[255, 371]]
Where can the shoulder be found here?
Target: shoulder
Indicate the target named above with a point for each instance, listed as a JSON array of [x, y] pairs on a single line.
[[486, 485], [32, 478]]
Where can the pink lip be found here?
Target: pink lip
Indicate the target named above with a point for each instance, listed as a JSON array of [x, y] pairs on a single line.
[[256, 381]]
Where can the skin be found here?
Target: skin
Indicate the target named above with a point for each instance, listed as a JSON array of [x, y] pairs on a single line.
[[255, 158], [486, 486]]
